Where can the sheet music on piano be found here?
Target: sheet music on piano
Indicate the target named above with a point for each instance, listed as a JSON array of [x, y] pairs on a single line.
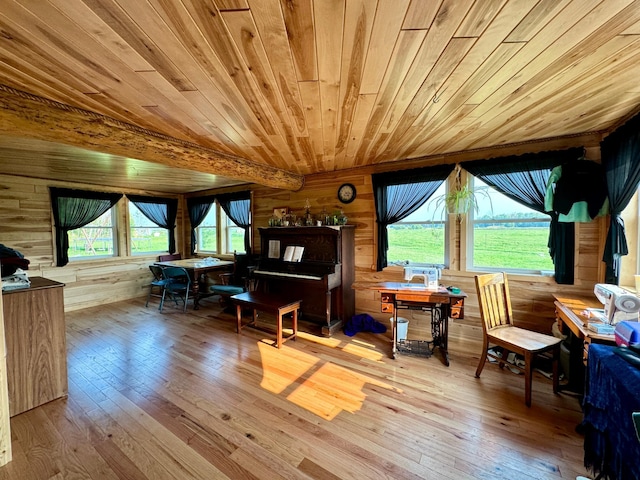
[[274, 248], [293, 253]]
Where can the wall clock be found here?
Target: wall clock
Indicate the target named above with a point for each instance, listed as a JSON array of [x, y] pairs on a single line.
[[346, 193]]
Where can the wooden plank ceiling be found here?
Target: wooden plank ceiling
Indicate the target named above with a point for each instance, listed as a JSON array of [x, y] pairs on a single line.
[[306, 86]]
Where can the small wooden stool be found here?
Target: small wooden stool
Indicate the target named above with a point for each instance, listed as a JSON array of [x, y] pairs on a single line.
[[270, 303]]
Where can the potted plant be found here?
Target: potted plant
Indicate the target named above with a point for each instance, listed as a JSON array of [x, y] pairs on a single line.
[[461, 198]]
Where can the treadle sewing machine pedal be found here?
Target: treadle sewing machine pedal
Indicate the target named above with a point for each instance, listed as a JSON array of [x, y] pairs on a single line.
[[415, 347]]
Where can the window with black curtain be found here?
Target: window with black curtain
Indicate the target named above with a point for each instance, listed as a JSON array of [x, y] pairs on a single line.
[[237, 206], [620, 153], [74, 209], [198, 208], [398, 194], [524, 179], [161, 211]]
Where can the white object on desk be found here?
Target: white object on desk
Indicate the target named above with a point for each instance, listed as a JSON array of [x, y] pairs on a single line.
[[429, 273], [619, 304]]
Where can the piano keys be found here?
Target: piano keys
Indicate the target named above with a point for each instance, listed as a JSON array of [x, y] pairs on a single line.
[[322, 278]]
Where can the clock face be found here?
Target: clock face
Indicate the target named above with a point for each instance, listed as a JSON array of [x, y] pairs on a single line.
[[346, 193]]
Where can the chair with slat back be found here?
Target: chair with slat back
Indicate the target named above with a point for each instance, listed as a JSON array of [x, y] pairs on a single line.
[[156, 287], [237, 281], [170, 257], [499, 330], [177, 287]]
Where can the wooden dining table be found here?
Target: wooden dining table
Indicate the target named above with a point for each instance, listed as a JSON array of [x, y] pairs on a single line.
[[198, 269]]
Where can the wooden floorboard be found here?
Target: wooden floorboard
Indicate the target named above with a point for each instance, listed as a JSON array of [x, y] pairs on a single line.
[[171, 395]]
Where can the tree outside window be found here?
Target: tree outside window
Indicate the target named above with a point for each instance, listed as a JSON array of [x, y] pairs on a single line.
[[94, 240]]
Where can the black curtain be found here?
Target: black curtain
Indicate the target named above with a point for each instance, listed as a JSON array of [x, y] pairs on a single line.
[[161, 211], [74, 209], [620, 153], [399, 194], [237, 206], [198, 208], [524, 178]]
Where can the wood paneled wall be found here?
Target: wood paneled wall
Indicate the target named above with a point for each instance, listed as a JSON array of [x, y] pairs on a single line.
[[531, 295], [26, 224]]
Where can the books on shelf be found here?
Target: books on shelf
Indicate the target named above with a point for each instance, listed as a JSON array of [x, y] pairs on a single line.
[[293, 253]]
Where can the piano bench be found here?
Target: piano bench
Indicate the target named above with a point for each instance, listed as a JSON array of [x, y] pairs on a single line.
[[269, 303]]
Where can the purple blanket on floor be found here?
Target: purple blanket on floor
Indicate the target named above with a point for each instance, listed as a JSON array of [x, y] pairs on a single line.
[[363, 323]]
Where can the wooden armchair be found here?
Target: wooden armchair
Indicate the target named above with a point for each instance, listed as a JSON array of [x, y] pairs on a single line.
[[237, 281], [499, 330]]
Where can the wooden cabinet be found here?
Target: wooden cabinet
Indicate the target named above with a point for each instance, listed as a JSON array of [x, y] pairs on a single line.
[[36, 344]]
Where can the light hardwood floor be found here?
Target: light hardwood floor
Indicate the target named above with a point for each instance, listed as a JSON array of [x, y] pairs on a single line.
[[182, 396]]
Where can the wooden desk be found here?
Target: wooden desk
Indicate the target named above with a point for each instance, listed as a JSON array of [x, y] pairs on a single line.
[[269, 303], [198, 268], [441, 303], [569, 315], [35, 333]]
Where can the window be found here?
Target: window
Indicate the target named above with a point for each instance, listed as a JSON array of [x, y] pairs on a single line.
[[146, 236], [75, 209], [630, 264], [507, 235], [420, 237], [230, 239], [234, 237], [94, 240], [397, 195], [207, 232]]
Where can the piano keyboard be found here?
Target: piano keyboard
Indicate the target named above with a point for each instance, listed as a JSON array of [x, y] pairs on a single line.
[[284, 274]]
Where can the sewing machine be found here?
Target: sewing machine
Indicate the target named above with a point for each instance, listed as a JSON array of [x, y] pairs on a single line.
[[619, 304], [429, 274]]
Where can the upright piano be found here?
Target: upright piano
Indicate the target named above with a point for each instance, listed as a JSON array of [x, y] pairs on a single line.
[[322, 278]]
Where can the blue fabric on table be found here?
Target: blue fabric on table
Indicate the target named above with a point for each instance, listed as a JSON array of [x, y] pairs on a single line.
[[363, 323], [612, 395]]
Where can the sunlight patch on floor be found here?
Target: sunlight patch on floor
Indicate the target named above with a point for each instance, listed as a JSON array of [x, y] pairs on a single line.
[[322, 388]]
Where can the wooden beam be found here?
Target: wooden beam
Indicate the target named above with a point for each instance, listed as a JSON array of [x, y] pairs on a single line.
[[26, 115]]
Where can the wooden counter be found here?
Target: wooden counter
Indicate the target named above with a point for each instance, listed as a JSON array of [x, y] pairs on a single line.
[[36, 344]]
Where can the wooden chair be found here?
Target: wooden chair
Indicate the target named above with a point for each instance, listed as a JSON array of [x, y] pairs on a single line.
[[170, 257], [237, 281], [177, 286], [499, 330]]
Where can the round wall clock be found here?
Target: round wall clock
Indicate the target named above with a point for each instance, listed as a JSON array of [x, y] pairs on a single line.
[[346, 193]]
